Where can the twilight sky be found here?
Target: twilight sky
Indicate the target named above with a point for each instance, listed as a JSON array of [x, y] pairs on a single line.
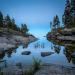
[[37, 14]]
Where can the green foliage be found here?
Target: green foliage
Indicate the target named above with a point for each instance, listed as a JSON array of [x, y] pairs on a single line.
[[72, 11], [36, 64], [10, 24], [14, 26], [24, 29], [1, 19], [69, 14], [55, 24], [8, 21]]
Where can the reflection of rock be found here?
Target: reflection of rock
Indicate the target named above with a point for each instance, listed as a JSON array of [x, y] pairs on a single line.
[[43, 54], [73, 54], [26, 53], [25, 45], [2, 54], [70, 54]]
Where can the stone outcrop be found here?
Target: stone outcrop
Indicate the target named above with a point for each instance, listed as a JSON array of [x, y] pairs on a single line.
[[10, 42]]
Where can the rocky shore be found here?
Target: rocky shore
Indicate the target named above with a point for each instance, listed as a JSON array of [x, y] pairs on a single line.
[[53, 69], [64, 35], [45, 69], [12, 41]]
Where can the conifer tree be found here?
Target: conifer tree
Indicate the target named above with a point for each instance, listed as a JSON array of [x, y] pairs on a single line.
[[56, 23], [1, 19], [8, 21], [24, 29], [72, 11], [69, 14]]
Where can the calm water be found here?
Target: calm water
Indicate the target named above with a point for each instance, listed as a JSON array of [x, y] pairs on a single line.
[[60, 56]]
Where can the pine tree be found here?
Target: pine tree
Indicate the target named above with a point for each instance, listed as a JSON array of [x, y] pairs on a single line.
[[68, 17], [14, 26], [51, 25], [24, 29], [72, 11], [1, 19], [8, 21], [56, 23]]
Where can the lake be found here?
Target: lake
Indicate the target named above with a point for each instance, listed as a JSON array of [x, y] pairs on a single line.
[[60, 56]]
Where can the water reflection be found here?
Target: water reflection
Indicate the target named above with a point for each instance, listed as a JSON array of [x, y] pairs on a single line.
[[39, 45], [3, 62], [57, 48], [63, 54], [2, 54], [10, 51], [25, 45], [69, 50], [7, 52]]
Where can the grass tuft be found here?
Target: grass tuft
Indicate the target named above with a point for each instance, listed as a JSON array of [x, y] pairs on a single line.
[[36, 64]]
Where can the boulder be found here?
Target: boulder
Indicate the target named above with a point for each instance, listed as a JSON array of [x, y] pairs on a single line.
[[43, 54], [26, 53]]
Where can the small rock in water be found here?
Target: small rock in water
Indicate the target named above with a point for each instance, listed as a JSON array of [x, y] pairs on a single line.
[[26, 53], [43, 54]]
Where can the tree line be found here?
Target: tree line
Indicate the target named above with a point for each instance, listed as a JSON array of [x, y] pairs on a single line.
[[68, 18], [7, 22]]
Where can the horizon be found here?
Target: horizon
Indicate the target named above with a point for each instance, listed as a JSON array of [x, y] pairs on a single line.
[[37, 14]]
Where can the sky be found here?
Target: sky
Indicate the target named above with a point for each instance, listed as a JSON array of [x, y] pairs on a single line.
[[37, 14]]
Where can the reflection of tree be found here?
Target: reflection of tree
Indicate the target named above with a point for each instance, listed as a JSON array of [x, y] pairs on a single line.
[[42, 45], [10, 51], [52, 46], [69, 50], [39, 45], [3, 63], [57, 48], [2, 54], [25, 45]]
